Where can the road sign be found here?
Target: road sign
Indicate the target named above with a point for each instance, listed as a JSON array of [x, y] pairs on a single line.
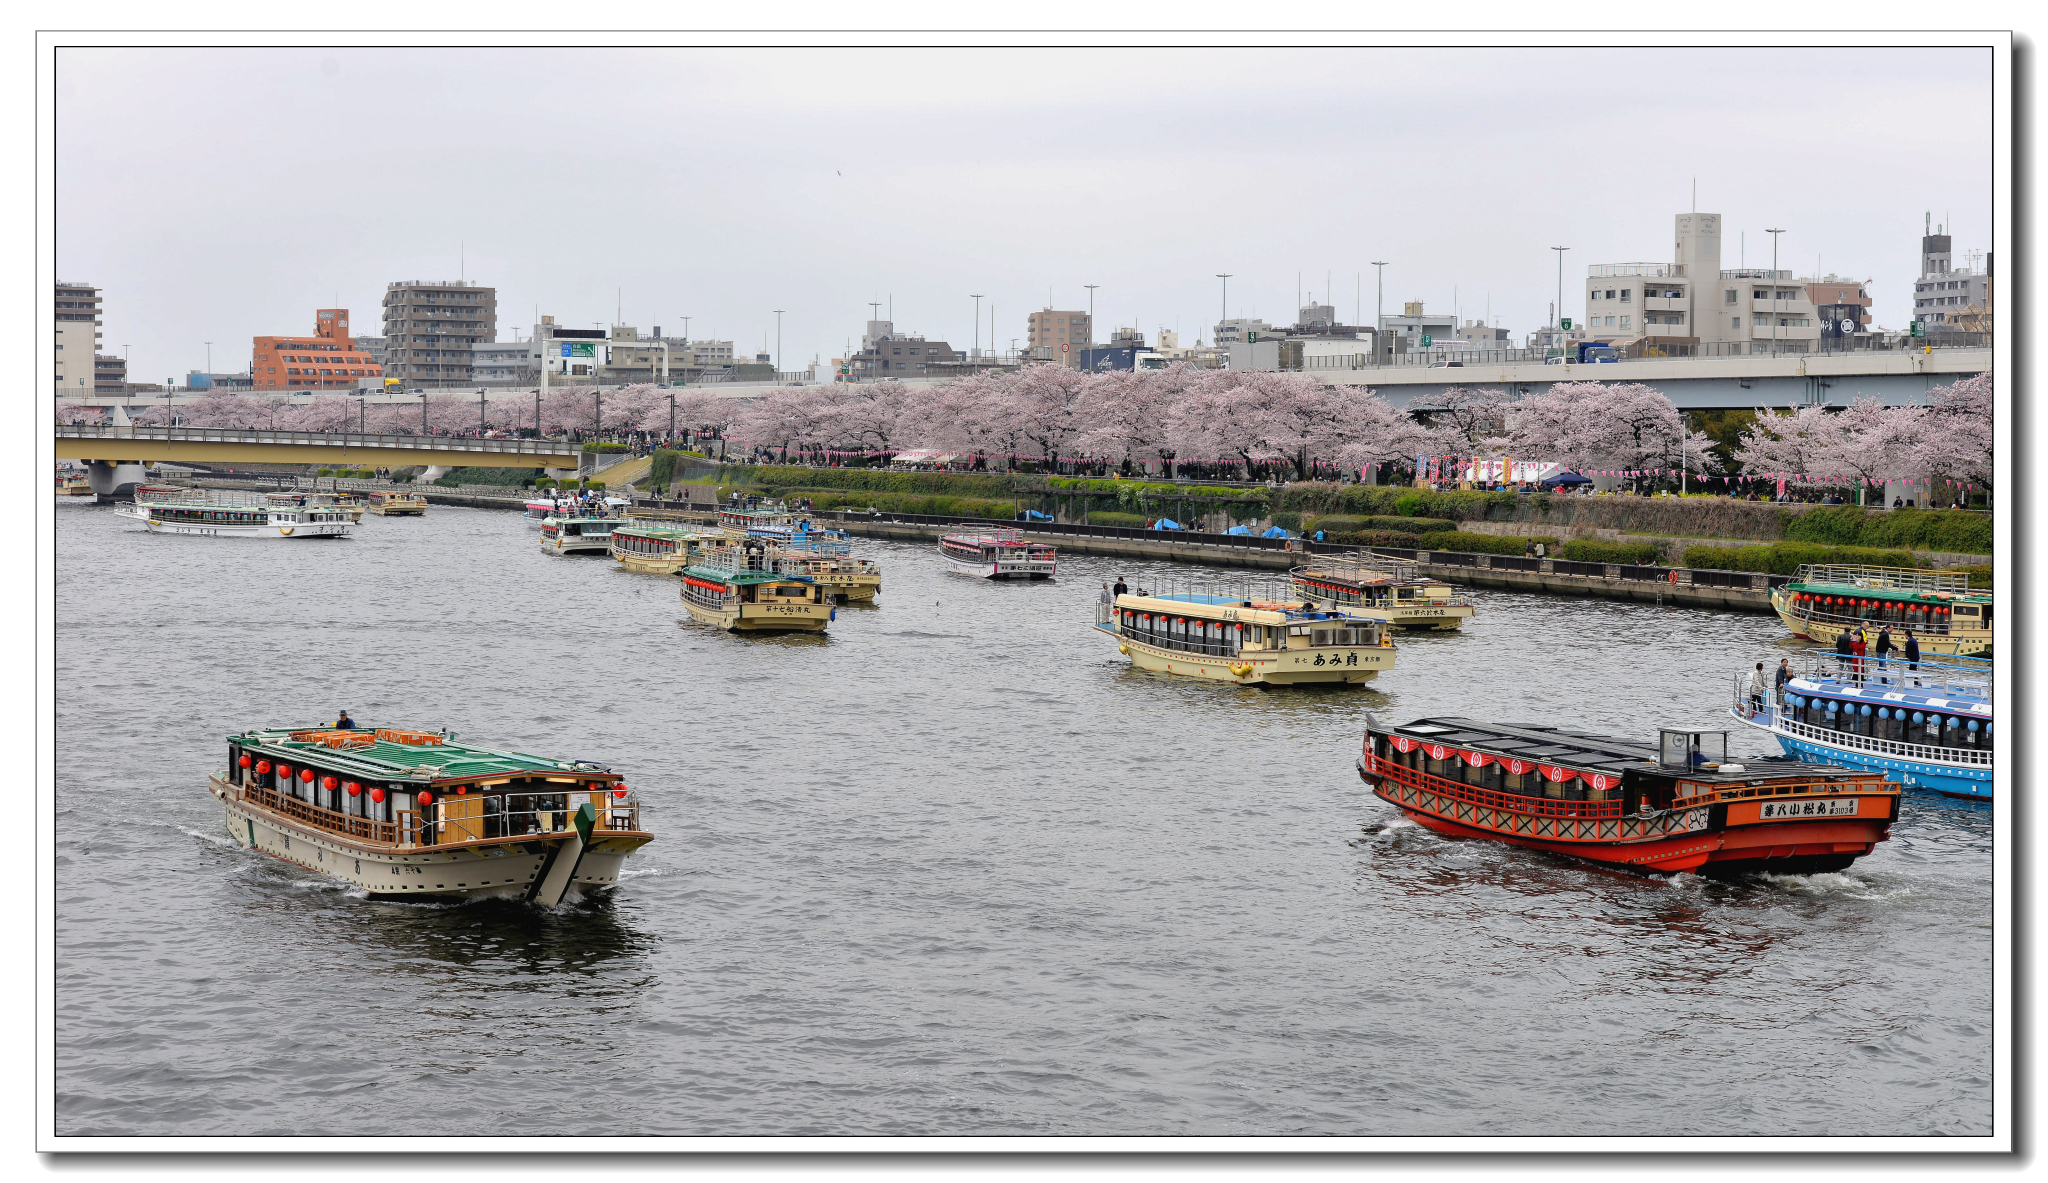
[[1063, 349], [1919, 328], [579, 349], [1427, 340], [1567, 323]]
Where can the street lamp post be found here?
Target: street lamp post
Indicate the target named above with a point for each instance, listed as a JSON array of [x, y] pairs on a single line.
[[1557, 317], [1225, 277], [1379, 307], [976, 297], [778, 344], [1091, 310]]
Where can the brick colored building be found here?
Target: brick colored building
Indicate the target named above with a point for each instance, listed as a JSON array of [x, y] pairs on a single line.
[[326, 360]]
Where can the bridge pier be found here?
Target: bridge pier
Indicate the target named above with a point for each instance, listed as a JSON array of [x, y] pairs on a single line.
[[434, 472], [110, 479]]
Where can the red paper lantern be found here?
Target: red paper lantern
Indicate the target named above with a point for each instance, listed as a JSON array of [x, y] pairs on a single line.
[[461, 789], [620, 792], [426, 798], [354, 789], [377, 795], [262, 767], [284, 770], [328, 783], [244, 762], [306, 775]]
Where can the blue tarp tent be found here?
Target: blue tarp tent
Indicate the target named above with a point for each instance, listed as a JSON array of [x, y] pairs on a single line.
[[1032, 515], [1239, 530], [1275, 532], [1167, 524], [1564, 478]]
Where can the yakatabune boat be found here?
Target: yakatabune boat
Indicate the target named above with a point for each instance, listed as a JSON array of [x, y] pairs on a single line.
[[1678, 805], [1391, 591], [658, 550], [164, 509], [999, 553], [1240, 632], [345, 502], [748, 586], [1947, 617], [412, 813], [396, 504], [576, 535], [1926, 726]]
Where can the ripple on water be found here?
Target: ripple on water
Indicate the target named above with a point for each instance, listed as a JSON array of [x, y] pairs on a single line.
[[952, 868]]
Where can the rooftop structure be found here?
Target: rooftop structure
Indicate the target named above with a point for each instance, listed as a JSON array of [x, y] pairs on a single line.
[[429, 327]]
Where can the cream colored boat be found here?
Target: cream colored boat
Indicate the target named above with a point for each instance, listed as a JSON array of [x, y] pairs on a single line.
[[391, 504], [1242, 635], [1393, 592]]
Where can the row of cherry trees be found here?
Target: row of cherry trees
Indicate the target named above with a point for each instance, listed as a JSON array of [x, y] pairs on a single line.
[[1869, 443], [1214, 422]]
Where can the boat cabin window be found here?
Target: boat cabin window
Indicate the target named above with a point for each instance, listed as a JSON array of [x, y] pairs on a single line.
[[1687, 749]]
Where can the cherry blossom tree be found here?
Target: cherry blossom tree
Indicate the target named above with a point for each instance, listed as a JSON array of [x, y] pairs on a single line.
[[1047, 401], [1794, 445], [1955, 437], [1621, 426]]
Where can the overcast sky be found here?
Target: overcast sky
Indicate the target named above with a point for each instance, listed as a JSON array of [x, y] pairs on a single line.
[[225, 194]]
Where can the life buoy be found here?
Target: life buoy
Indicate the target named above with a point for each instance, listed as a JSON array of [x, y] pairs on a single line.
[[1673, 577], [286, 530]]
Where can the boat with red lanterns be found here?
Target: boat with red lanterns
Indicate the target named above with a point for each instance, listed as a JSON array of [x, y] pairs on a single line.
[[998, 552], [1945, 614], [406, 814], [1677, 805]]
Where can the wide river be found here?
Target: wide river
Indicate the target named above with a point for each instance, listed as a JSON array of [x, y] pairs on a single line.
[[953, 868]]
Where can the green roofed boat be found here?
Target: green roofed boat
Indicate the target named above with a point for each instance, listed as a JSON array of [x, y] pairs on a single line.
[[1938, 607], [658, 550], [406, 814], [750, 587]]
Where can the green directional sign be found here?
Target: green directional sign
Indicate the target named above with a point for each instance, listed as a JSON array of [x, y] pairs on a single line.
[[1427, 340], [1567, 323], [1251, 337], [1919, 328]]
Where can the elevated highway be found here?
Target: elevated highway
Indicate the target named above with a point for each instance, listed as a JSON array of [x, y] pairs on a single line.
[[114, 456]]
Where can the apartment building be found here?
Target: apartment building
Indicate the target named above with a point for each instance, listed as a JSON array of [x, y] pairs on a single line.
[[1692, 300], [109, 375], [77, 306], [430, 327], [1059, 335], [886, 354], [1413, 324], [1238, 330], [327, 359]]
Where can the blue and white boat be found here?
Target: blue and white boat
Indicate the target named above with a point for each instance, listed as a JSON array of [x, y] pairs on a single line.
[[1928, 727]]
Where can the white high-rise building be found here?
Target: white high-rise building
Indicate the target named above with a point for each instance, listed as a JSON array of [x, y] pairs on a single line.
[[1692, 300]]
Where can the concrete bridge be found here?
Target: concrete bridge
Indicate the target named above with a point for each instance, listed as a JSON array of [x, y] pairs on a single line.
[[1703, 383], [114, 456]]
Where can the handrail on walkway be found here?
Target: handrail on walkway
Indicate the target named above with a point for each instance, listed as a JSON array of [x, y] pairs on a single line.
[[255, 435]]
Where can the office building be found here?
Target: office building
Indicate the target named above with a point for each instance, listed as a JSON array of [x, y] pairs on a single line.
[[78, 337], [326, 359], [1059, 335], [109, 375], [1413, 324], [1944, 294], [372, 348], [504, 363], [886, 354], [1481, 335], [1237, 330], [429, 328]]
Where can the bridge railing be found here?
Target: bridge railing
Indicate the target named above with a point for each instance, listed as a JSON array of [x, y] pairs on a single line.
[[548, 449]]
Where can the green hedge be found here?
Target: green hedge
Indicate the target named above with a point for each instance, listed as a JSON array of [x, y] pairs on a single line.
[[1393, 538], [1980, 575], [1288, 521], [1784, 558], [1401, 525], [1162, 491], [1482, 544], [1460, 505], [1112, 518], [880, 480], [605, 449], [1588, 551], [971, 507], [1950, 530]]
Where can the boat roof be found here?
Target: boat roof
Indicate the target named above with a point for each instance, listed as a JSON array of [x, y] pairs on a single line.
[[742, 578], [1580, 749], [1888, 583], [1256, 611], [656, 531], [385, 758], [1948, 697]]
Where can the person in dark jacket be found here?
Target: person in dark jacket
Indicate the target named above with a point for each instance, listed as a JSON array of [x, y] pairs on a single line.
[[1883, 648], [1913, 655], [1844, 654], [1783, 676], [344, 723]]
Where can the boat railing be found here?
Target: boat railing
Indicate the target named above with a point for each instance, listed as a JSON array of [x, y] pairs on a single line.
[[1269, 592], [1949, 677], [1915, 617], [1501, 799], [1774, 718], [522, 817], [1876, 578]]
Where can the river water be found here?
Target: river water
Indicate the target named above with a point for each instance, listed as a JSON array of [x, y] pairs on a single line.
[[953, 868]]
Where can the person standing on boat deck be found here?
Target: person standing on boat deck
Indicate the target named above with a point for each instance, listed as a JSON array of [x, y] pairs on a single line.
[[1844, 655], [1860, 646], [344, 723], [1783, 676], [1121, 588], [1107, 597], [1756, 690], [1884, 645], [1913, 655]]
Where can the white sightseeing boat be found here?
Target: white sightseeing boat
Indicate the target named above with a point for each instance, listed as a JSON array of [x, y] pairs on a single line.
[[347, 503], [578, 535], [409, 814], [998, 552], [223, 513]]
